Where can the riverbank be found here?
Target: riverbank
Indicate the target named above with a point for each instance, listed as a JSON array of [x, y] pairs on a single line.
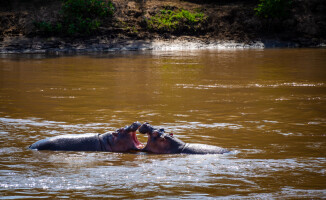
[[229, 24], [100, 44]]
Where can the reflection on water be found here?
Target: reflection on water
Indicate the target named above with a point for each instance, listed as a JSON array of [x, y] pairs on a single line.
[[267, 106]]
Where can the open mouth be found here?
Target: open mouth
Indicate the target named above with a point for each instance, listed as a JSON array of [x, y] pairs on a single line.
[[132, 130], [146, 128], [138, 144]]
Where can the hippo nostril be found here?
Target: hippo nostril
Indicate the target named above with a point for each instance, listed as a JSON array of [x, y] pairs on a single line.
[[143, 129], [133, 127], [146, 128]]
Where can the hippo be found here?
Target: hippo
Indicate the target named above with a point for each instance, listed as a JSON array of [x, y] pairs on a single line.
[[160, 142], [122, 140]]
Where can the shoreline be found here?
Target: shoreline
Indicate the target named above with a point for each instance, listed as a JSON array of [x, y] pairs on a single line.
[[36, 45], [229, 25]]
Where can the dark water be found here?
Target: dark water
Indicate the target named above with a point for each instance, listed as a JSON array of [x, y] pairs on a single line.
[[267, 106]]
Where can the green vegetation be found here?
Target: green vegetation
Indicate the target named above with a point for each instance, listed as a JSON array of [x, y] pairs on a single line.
[[78, 17], [176, 21], [132, 29], [273, 8]]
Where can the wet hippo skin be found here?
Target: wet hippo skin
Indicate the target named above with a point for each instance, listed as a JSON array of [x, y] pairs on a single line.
[[122, 140], [163, 143]]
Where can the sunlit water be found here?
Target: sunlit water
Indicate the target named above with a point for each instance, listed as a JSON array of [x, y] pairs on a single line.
[[267, 106]]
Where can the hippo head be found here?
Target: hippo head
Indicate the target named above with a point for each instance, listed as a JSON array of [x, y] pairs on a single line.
[[125, 139], [160, 142]]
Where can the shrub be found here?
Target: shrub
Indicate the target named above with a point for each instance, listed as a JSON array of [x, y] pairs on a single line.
[[175, 21], [272, 8], [90, 9], [78, 17], [44, 27]]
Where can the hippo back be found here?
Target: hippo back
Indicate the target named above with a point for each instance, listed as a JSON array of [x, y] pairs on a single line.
[[193, 148], [71, 142]]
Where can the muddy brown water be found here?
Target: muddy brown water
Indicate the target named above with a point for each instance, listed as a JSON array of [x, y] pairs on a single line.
[[267, 106]]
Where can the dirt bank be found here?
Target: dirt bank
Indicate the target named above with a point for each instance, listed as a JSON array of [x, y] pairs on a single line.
[[228, 22]]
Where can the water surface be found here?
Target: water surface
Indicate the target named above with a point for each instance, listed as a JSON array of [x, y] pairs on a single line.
[[267, 106]]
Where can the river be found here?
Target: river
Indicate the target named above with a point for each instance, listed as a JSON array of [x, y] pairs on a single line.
[[267, 106]]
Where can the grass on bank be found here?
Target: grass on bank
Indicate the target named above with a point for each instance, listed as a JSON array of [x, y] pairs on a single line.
[[176, 21], [84, 17]]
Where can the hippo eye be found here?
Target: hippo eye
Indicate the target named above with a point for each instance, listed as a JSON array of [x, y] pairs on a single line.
[[120, 130], [162, 137], [171, 134]]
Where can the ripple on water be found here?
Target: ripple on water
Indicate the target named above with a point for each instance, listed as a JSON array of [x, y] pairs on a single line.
[[152, 174], [52, 127], [184, 125], [251, 85]]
